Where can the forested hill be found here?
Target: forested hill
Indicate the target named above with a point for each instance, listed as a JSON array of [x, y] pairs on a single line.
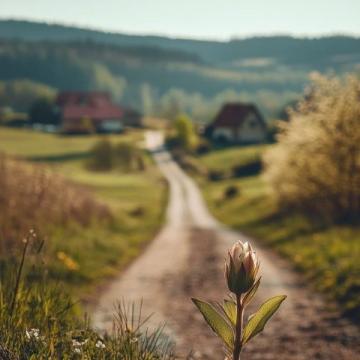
[[286, 49], [164, 75]]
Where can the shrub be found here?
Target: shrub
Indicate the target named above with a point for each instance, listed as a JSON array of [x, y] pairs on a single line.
[[203, 147], [123, 156], [216, 175], [185, 133], [316, 164], [102, 157], [249, 169], [230, 192], [128, 157]]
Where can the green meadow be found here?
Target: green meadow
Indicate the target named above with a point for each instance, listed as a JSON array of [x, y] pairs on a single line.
[[136, 200]]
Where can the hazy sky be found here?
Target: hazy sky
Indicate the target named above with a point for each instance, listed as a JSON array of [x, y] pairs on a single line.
[[220, 19]]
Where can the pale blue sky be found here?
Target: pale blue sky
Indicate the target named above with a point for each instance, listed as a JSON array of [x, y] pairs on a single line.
[[216, 19]]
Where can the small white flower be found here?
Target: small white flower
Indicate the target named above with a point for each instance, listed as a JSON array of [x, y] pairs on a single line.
[[99, 344], [32, 334], [77, 350], [76, 343]]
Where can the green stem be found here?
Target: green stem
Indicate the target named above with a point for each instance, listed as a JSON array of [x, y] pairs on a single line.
[[18, 277], [238, 328]]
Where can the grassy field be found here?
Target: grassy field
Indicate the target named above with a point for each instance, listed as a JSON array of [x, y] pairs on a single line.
[[136, 201], [326, 255], [39, 146], [226, 158]]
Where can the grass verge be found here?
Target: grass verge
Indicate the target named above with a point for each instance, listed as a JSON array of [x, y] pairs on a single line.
[[327, 255]]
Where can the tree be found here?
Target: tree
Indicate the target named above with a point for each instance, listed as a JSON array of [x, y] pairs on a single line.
[[316, 164], [185, 133], [42, 112], [20, 94]]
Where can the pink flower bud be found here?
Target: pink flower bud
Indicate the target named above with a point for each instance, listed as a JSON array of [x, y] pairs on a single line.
[[241, 268]]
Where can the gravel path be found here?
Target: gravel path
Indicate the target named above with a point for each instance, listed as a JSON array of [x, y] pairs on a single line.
[[186, 260]]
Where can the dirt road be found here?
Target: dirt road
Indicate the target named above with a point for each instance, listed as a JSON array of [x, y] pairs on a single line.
[[186, 259]]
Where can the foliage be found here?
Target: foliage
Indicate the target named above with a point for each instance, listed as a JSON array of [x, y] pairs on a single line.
[[216, 175], [39, 321], [231, 192], [316, 164], [185, 134], [42, 112], [129, 157], [124, 156], [21, 94], [102, 156], [327, 255], [251, 168], [227, 319]]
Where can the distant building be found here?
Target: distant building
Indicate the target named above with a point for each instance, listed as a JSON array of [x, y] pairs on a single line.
[[238, 123], [132, 118], [87, 112]]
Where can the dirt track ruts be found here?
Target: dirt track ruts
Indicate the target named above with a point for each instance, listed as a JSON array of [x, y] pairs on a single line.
[[186, 259]]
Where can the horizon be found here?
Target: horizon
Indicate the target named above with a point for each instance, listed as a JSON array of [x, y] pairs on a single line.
[[233, 19], [180, 37]]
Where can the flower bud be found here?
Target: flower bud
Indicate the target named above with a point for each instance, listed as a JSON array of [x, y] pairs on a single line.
[[241, 268]]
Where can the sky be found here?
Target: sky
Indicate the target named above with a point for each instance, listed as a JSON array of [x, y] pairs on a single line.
[[207, 19]]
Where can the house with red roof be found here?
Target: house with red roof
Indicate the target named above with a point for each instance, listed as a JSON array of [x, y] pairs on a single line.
[[238, 123], [88, 112]]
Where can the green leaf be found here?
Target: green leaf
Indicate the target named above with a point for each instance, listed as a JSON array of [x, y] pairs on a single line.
[[250, 294], [258, 321], [216, 321], [230, 311]]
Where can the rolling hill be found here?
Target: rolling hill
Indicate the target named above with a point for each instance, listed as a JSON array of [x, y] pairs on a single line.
[[163, 75]]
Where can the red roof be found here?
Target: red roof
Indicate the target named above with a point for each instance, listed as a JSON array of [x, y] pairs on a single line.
[[96, 113], [234, 114], [94, 105]]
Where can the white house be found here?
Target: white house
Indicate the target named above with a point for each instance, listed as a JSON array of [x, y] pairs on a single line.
[[238, 123]]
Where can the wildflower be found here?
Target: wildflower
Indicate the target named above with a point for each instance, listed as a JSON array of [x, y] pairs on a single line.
[[70, 263], [77, 350], [241, 268], [100, 345], [76, 343], [32, 334]]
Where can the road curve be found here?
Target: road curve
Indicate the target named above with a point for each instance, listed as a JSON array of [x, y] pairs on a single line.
[[186, 259]]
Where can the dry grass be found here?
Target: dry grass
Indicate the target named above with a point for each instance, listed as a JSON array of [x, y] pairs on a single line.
[[32, 197]]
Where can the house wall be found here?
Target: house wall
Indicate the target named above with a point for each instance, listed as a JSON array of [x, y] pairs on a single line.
[[111, 126], [251, 130], [224, 133]]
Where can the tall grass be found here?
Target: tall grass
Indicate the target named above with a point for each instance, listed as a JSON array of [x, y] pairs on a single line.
[[39, 321], [32, 197]]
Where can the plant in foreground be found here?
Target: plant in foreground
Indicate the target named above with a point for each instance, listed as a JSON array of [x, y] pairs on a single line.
[[39, 321], [226, 320]]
